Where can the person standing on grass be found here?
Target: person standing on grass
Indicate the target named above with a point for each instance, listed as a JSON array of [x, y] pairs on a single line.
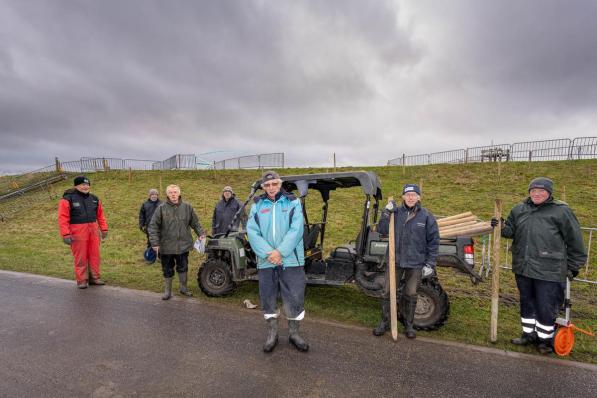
[[416, 246], [224, 213], [170, 236], [82, 223], [146, 212], [275, 230], [547, 248]]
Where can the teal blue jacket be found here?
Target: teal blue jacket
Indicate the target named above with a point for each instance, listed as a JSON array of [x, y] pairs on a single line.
[[277, 225]]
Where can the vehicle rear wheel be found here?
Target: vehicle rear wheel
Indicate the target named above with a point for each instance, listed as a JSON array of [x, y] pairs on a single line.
[[215, 279], [433, 306]]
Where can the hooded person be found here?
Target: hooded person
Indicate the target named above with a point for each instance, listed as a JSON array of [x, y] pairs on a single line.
[[146, 212], [275, 230], [82, 225], [547, 248], [224, 213], [416, 235]]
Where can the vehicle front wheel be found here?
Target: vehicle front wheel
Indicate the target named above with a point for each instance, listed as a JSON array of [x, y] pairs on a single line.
[[215, 279]]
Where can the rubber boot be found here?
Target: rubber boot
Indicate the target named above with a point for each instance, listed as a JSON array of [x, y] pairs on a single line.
[[384, 324], [294, 338], [82, 284], [545, 346], [525, 339], [167, 289], [409, 316], [182, 278], [272, 335]]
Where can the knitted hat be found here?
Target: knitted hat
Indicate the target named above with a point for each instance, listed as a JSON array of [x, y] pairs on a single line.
[[227, 189], [411, 188], [81, 180], [153, 191], [269, 175], [542, 183]]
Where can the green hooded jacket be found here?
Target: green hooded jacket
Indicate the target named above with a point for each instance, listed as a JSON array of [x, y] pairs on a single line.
[[170, 227], [547, 240]]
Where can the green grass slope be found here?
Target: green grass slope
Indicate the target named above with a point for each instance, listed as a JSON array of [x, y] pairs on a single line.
[[29, 242]]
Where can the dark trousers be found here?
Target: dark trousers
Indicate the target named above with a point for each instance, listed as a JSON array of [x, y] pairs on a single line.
[[289, 283], [539, 305], [169, 261], [412, 280]]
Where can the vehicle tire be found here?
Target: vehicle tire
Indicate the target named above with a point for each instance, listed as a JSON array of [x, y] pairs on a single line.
[[215, 279], [433, 306]]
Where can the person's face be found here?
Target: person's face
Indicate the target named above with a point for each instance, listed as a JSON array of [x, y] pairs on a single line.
[[153, 197], [173, 194], [538, 195], [410, 198], [227, 195], [83, 188], [271, 188]]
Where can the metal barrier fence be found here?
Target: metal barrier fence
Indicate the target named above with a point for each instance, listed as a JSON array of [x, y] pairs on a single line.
[[264, 160], [176, 162], [559, 149], [587, 274]]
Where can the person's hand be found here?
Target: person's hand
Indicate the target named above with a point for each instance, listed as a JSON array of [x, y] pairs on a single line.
[[274, 257], [104, 234], [427, 271], [156, 249], [572, 274], [143, 228], [391, 206], [202, 237], [68, 240], [494, 222]]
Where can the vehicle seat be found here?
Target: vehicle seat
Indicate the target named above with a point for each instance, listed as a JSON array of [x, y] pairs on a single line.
[[310, 236]]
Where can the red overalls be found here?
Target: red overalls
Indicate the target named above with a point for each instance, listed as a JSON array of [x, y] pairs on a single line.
[[81, 217]]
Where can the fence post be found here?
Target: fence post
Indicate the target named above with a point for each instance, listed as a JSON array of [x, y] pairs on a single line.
[[58, 166], [403, 164], [259, 162], [530, 156], [466, 155], [282, 159]]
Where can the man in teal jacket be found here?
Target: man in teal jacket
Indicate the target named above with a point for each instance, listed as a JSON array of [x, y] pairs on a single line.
[[275, 229]]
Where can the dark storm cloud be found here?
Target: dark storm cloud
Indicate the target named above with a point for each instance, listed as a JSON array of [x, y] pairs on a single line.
[[368, 80]]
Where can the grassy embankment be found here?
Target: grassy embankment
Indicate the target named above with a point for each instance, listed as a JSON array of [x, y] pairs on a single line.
[[29, 242]]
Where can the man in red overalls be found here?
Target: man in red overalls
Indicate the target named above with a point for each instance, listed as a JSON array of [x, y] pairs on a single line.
[[82, 222]]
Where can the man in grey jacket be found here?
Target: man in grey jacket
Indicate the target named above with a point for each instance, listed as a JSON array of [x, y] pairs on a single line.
[[224, 213], [170, 237]]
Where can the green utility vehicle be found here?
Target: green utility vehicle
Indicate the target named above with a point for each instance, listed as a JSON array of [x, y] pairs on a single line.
[[230, 259]]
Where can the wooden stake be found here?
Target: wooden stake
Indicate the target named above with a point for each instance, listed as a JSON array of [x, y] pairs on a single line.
[[392, 276], [161, 190], [456, 221], [455, 217], [130, 175], [495, 271], [563, 193]]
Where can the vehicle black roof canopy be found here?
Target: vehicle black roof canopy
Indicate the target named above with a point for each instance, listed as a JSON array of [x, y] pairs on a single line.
[[326, 182]]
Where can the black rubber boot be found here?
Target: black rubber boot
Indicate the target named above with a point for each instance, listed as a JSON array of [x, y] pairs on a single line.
[[410, 305], [294, 338], [545, 346], [272, 335], [525, 339], [182, 278], [167, 289], [384, 324]]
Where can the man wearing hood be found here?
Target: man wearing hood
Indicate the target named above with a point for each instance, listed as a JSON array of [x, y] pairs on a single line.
[[416, 247], [224, 213], [170, 236], [82, 223], [146, 212], [547, 248]]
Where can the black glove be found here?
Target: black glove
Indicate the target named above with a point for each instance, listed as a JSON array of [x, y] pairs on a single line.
[[67, 240], [572, 274], [494, 222], [143, 228]]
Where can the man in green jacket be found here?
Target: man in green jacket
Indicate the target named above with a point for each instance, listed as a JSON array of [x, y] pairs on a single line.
[[170, 236], [547, 248]]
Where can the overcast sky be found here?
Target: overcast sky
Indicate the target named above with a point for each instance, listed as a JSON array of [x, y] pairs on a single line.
[[366, 79]]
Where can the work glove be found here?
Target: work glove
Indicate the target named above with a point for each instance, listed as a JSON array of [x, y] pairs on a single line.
[[67, 240], [494, 222], [104, 234], [572, 274], [391, 206], [427, 271]]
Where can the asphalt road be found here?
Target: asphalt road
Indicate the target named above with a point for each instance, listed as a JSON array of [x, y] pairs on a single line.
[[59, 341]]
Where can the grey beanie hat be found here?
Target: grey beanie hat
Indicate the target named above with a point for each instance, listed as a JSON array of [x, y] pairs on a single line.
[[542, 183]]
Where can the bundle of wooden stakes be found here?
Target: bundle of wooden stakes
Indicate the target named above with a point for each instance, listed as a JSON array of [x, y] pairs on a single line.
[[465, 224]]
